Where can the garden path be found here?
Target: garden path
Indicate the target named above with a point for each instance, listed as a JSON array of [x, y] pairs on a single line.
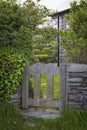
[[41, 112]]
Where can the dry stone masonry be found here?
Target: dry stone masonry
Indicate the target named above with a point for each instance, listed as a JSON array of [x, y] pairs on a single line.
[[16, 97], [77, 85]]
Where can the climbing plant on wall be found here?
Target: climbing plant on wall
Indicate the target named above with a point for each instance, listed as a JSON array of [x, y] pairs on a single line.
[[11, 70]]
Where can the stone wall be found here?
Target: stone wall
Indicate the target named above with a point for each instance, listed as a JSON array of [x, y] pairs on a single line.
[[77, 85], [16, 98]]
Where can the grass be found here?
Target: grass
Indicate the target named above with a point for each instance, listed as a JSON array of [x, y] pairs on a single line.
[[43, 80], [56, 90], [11, 118], [71, 119]]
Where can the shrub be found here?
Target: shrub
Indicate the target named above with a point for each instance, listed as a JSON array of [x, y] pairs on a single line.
[[47, 50], [36, 51], [11, 69], [42, 57]]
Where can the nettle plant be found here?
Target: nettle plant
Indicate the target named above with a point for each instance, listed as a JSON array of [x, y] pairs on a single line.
[[11, 69]]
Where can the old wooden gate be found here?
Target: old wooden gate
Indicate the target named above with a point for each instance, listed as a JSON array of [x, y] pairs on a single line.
[[49, 70]]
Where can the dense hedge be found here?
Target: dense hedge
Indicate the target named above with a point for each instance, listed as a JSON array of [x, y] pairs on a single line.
[[11, 69]]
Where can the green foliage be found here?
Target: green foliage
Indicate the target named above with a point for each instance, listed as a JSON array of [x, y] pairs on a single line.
[[11, 118], [49, 33], [75, 40], [43, 124], [47, 50], [18, 24], [11, 69], [43, 86], [56, 88], [78, 19], [36, 51], [45, 42], [71, 119], [42, 57]]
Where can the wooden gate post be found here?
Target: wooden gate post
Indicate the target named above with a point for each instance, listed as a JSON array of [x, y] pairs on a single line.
[[25, 88], [63, 70]]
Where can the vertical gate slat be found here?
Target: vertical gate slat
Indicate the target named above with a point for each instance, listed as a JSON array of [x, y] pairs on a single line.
[[63, 85], [36, 88], [25, 88], [49, 87]]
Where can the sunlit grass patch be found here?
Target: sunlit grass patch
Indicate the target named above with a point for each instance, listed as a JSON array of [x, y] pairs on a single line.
[[43, 86], [56, 87]]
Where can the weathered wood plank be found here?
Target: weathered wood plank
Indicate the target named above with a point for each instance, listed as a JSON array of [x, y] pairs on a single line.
[[63, 85], [47, 68], [25, 88], [36, 88], [49, 87], [43, 103]]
